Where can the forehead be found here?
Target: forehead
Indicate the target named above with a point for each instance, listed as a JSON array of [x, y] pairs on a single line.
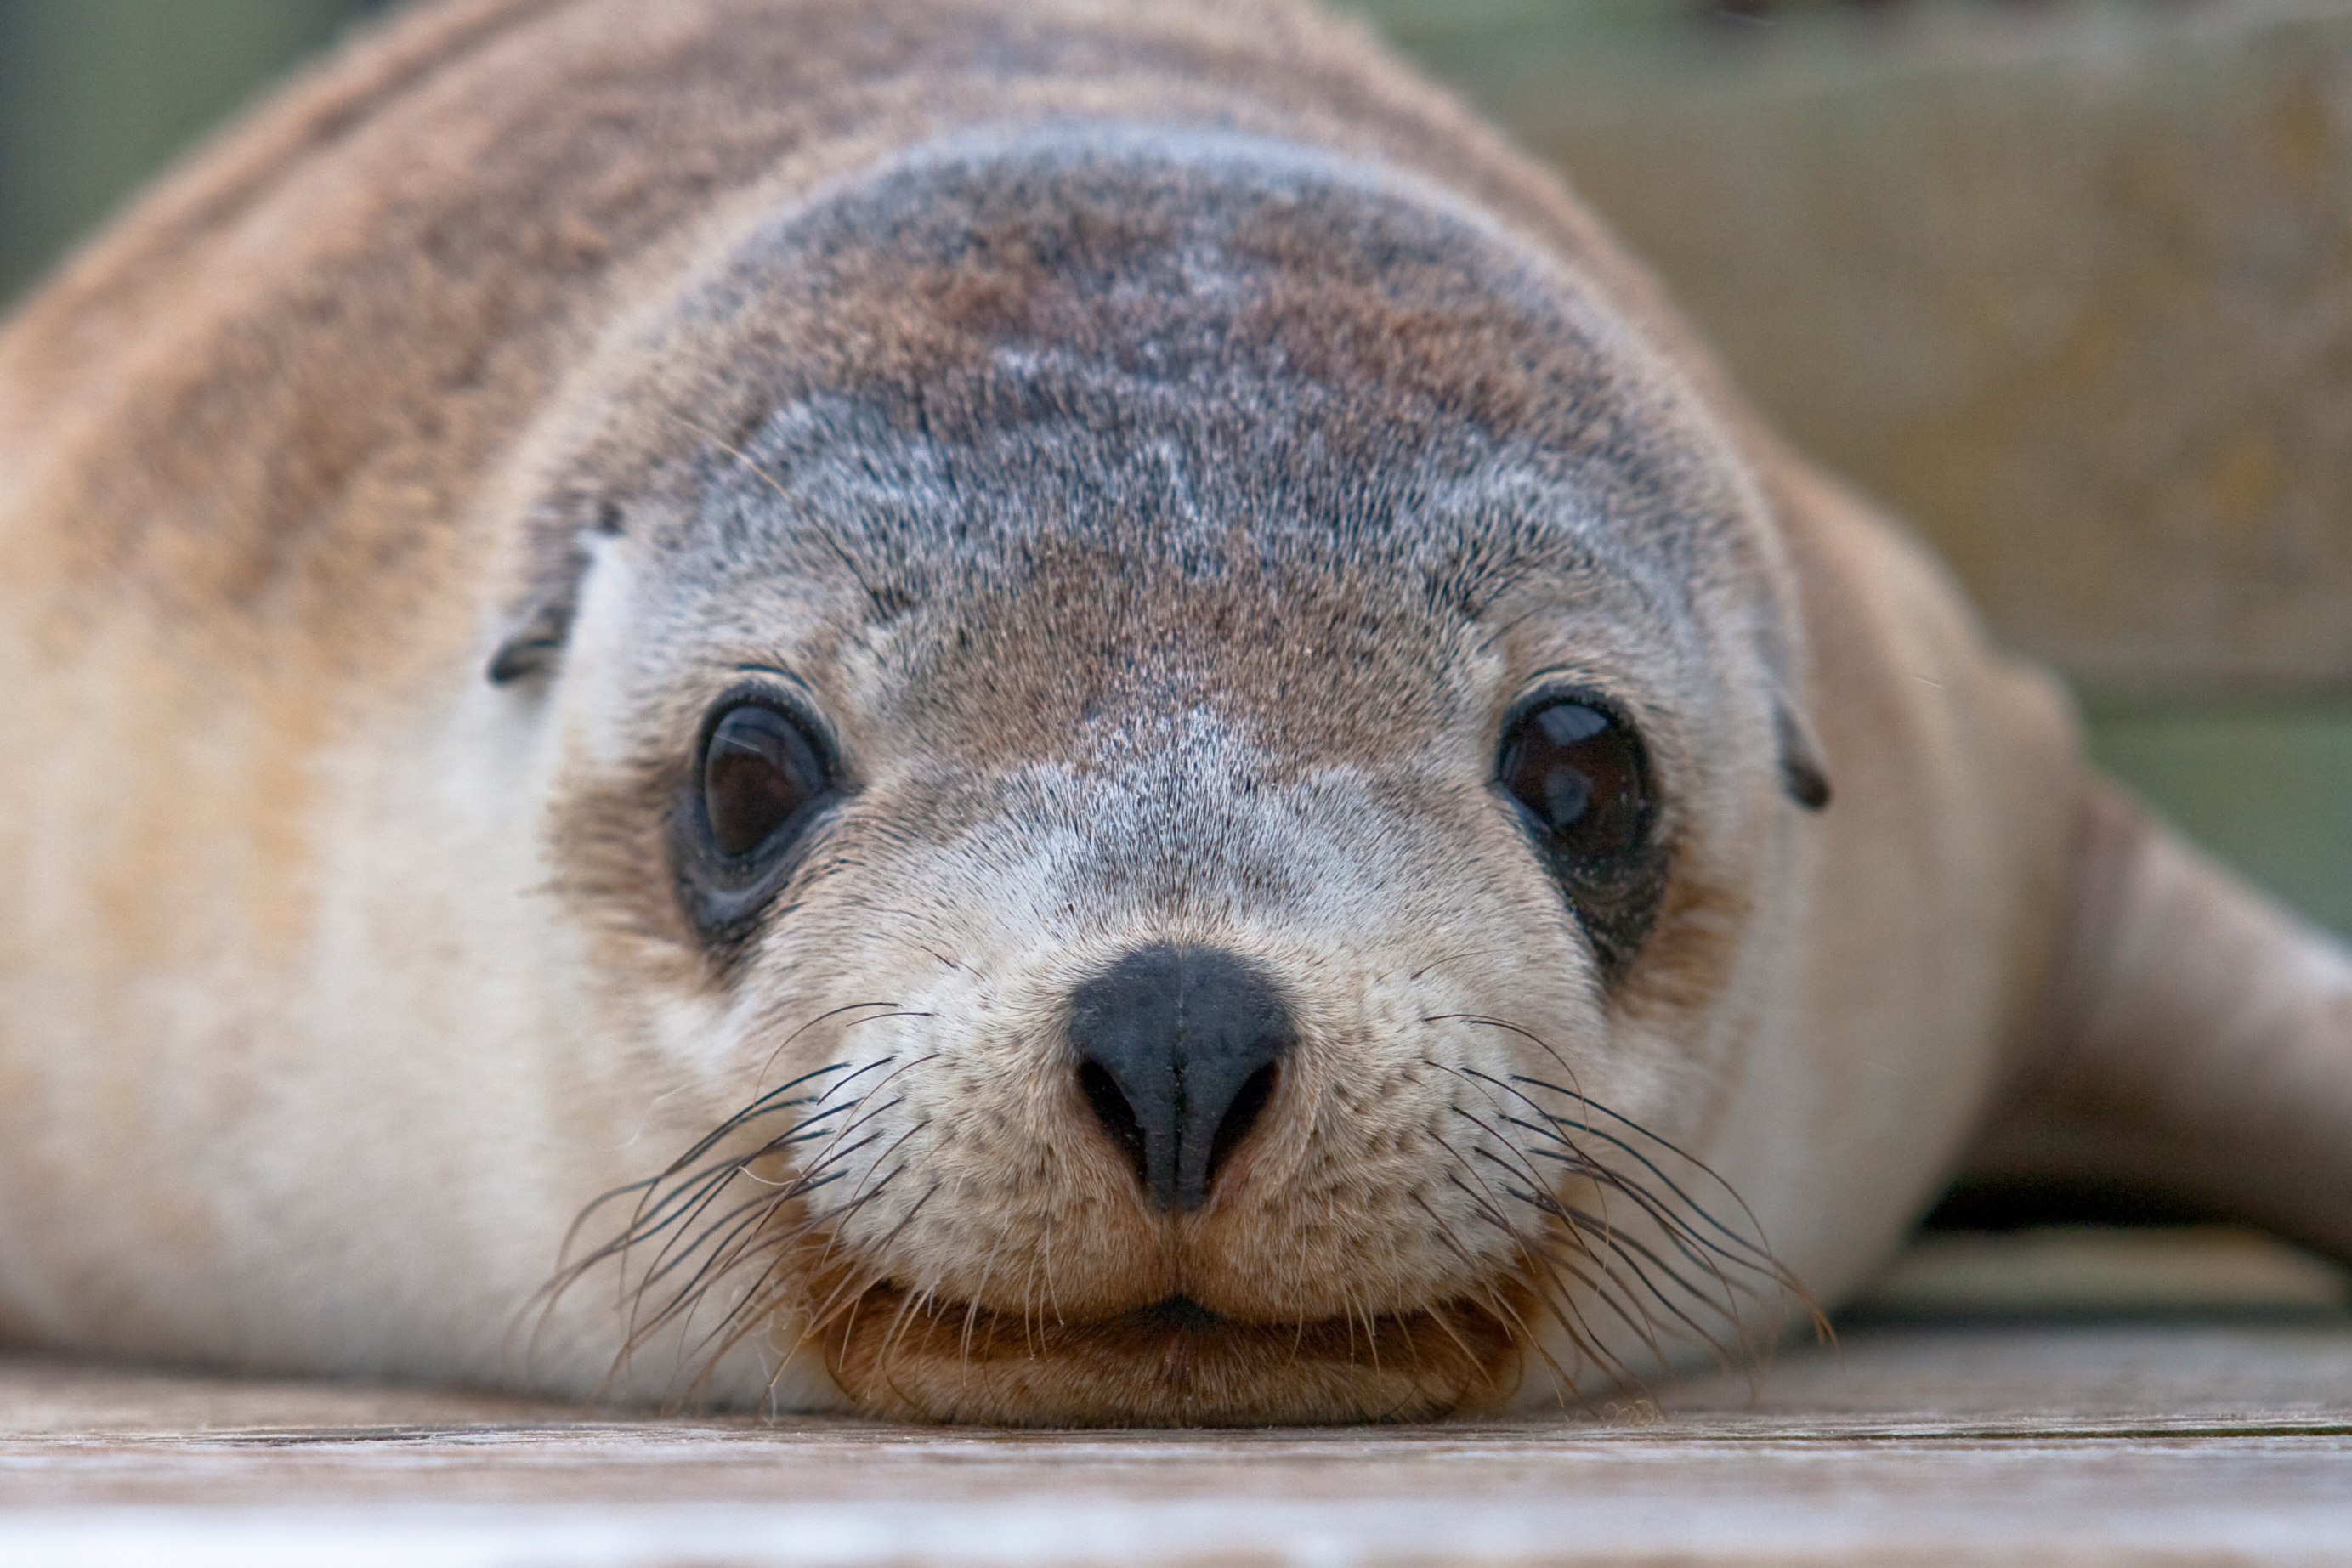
[[1153, 406]]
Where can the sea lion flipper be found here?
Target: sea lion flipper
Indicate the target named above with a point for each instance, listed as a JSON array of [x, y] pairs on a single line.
[[2200, 1041]]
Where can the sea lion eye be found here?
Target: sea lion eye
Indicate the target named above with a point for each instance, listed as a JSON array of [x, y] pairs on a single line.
[[759, 771], [1580, 780], [762, 784], [1577, 773]]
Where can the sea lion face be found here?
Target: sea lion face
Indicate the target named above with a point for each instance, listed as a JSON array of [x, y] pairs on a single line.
[[1176, 741]]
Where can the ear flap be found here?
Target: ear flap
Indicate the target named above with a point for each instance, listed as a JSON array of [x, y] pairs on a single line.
[[534, 645], [540, 623], [1803, 774]]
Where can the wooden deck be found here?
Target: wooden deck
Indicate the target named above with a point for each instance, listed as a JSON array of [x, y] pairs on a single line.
[[2092, 1400]]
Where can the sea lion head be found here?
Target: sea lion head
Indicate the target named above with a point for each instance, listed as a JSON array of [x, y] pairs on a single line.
[[1180, 748]]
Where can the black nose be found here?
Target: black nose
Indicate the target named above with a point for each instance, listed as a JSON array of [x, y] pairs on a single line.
[[1178, 1051]]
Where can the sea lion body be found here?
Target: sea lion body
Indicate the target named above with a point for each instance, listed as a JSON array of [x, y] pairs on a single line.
[[1145, 475]]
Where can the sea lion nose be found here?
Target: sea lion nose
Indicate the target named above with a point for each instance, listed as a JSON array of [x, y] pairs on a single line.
[[1178, 1049]]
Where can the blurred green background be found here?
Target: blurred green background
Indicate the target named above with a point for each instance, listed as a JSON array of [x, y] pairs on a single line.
[[2067, 282], [96, 95]]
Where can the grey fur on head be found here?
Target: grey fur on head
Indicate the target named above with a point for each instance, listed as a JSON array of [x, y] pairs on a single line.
[[1190, 354]]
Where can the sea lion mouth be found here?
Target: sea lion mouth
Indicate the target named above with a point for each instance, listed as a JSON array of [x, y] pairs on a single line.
[[1182, 1312], [1174, 1363]]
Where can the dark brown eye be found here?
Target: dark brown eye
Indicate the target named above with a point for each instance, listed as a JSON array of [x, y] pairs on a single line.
[[763, 785], [1580, 781], [1577, 773], [759, 772]]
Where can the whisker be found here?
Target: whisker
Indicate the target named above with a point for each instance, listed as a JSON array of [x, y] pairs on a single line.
[[762, 1106], [1634, 1281], [738, 1321], [688, 1295], [1562, 1306], [884, 1082], [1686, 1227], [726, 1231], [1700, 1252], [1440, 962], [758, 1207], [1502, 1311], [1579, 1233], [655, 1215], [1672, 1148], [1631, 1253], [786, 1043]]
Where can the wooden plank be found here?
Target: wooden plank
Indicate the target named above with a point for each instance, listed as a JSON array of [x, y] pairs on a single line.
[[2219, 1429], [1746, 1483]]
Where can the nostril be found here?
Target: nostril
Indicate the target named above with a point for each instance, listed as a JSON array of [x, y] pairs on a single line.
[[1111, 1109], [1250, 1099], [1177, 1050]]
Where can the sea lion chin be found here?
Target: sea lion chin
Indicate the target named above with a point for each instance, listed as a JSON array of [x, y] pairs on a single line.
[[1045, 715]]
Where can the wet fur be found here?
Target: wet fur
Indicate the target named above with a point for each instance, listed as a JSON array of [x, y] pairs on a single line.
[[1161, 443]]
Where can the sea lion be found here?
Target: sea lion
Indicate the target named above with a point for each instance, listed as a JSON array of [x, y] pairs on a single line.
[[1054, 712]]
